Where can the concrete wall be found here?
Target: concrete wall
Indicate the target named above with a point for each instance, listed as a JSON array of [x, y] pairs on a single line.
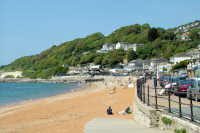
[[145, 115], [178, 123]]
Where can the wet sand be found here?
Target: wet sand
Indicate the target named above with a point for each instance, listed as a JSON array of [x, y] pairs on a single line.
[[67, 113]]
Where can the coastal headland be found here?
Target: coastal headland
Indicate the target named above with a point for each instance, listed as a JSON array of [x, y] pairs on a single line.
[[69, 112]]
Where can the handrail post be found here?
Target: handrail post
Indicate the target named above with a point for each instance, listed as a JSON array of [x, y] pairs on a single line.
[[179, 97], [138, 88], [143, 94], [141, 91], [156, 98], [191, 106], [169, 99], [148, 95]]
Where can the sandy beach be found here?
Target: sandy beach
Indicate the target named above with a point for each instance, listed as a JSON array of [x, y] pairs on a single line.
[[68, 113]]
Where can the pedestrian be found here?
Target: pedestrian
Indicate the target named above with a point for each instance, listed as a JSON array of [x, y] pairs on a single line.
[[167, 86]]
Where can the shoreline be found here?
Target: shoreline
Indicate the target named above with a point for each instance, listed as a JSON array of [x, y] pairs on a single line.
[[72, 91], [67, 112], [61, 79]]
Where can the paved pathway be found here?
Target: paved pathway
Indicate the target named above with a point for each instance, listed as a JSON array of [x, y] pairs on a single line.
[[113, 125], [164, 102]]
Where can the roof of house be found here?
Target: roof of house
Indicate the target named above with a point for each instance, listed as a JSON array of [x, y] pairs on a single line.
[[162, 60], [109, 44], [133, 61], [181, 55], [196, 51], [186, 34]]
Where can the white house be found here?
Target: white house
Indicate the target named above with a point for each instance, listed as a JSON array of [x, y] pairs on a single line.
[[195, 53], [126, 46], [120, 45], [109, 46], [185, 36], [106, 48], [180, 57]]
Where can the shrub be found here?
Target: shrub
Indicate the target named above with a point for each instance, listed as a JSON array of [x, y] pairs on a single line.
[[166, 120], [180, 130], [9, 76]]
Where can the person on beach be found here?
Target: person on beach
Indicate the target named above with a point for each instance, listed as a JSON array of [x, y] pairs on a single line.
[[167, 86], [106, 85], [126, 111], [109, 111], [113, 91]]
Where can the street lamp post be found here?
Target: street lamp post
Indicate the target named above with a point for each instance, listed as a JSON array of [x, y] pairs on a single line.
[[155, 79]]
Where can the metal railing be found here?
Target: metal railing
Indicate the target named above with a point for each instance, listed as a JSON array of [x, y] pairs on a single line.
[[148, 95]]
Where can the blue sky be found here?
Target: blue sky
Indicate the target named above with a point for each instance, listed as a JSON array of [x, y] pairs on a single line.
[[27, 27]]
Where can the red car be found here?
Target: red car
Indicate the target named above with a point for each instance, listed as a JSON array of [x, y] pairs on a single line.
[[182, 86]]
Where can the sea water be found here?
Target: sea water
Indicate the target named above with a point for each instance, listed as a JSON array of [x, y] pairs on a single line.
[[11, 93]]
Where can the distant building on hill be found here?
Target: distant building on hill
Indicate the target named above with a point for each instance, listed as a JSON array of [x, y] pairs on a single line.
[[120, 45], [185, 36], [180, 57]]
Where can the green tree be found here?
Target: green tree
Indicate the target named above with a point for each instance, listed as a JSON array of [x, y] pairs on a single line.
[[195, 34], [98, 60], [169, 52], [157, 43], [131, 55], [169, 35], [146, 26], [161, 32], [182, 64], [60, 69], [153, 34], [113, 58]]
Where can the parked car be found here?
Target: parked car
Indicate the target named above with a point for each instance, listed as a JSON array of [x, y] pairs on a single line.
[[116, 74], [161, 76], [161, 80], [194, 89], [184, 74], [176, 79], [126, 74], [182, 86], [105, 73]]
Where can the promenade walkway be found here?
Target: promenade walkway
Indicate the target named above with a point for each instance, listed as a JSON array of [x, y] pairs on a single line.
[[112, 125], [164, 102]]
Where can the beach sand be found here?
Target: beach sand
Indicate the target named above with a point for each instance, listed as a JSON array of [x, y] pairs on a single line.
[[67, 113]]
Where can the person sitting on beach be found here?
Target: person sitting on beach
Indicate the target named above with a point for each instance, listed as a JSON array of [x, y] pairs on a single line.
[[114, 90], [126, 111], [109, 111]]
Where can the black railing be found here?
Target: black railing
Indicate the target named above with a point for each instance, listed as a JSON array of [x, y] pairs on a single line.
[[151, 98]]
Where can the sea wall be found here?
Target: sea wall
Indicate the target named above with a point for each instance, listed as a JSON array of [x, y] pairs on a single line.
[[178, 123], [145, 115], [67, 79], [14, 74]]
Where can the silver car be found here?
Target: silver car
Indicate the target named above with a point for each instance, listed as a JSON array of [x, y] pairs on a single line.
[[195, 90]]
